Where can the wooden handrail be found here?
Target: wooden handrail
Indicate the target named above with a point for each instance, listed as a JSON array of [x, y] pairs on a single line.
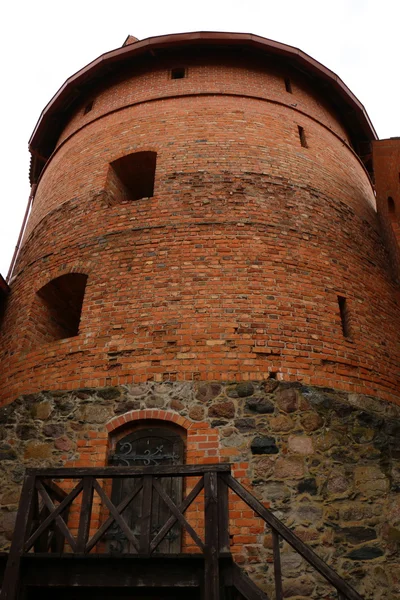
[[44, 529], [292, 539], [123, 472]]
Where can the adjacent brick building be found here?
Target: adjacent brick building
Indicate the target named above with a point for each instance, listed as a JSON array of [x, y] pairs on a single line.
[[205, 248]]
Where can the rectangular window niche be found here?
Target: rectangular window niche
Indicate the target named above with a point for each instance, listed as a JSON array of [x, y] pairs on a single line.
[[178, 73], [131, 177], [57, 307]]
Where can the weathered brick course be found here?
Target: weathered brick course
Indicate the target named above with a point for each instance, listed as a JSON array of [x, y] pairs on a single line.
[[232, 270]]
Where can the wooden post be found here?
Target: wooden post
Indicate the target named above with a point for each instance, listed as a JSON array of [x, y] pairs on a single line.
[[211, 567], [86, 513], [12, 580], [223, 515], [42, 543], [277, 566]]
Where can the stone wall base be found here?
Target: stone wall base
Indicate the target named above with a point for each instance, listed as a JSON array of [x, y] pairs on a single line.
[[327, 462]]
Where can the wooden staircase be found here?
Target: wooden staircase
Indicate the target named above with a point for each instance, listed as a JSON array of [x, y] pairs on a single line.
[[65, 518]]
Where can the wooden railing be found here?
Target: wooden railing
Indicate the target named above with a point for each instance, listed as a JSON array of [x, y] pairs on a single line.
[[45, 526]]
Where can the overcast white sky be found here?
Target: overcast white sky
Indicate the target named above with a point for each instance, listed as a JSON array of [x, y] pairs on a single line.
[[44, 42]]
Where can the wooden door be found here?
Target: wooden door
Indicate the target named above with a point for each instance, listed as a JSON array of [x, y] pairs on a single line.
[[153, 446]]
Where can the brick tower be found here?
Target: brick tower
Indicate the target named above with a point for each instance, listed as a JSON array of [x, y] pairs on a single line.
[[204, 257]]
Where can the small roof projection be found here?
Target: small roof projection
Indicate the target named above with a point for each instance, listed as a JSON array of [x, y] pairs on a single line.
[[4, 289], [57, 112]]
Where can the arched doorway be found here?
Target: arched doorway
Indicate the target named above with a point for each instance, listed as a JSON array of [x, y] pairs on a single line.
[[147, 445]]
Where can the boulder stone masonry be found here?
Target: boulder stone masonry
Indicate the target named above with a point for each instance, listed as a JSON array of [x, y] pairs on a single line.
[[326, 462]]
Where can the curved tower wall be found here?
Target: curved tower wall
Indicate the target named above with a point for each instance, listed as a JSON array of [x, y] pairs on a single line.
[[232, 270], [248, 299]]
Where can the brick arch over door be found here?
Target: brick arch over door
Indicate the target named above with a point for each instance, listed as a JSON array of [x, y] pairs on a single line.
[[202, 441], [149, 414]]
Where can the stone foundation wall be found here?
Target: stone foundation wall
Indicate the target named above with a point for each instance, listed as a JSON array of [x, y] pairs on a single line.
[[328, 464]]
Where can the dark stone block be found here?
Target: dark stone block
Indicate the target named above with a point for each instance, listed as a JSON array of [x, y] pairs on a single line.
[[369, 420], [26, 432], [286, 385], [393, 428], [53, 430], [366, 553], [30, 399], [308, 486], [316, 397], [5, 413], [109, 393], [341, 409], [127, 405], [260, 405], [59, 393], [244, 425], [342, 456], [65, 406], [84, 393], [218, 423], [381, 442], [7, 452], [10, 455], [357, 535], [245, 389], [264, 445], [17, 475], [222, 409]]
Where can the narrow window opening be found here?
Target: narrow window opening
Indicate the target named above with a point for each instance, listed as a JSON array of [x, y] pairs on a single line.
[[132, 177], [178, 73], [344, 316], [56, 311], [391, 205], [88, 107], [302, 136], [288, 85]]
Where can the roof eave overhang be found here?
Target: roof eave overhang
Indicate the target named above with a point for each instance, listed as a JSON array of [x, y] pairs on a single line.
[[71, 88], [4, 289]]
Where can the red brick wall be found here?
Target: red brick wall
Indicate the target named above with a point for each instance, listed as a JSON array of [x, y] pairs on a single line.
[[211, 74], [386, 155], [232, 270]]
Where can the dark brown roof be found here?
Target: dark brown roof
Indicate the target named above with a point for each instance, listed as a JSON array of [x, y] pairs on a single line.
[[4, 289], [56, 113]]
